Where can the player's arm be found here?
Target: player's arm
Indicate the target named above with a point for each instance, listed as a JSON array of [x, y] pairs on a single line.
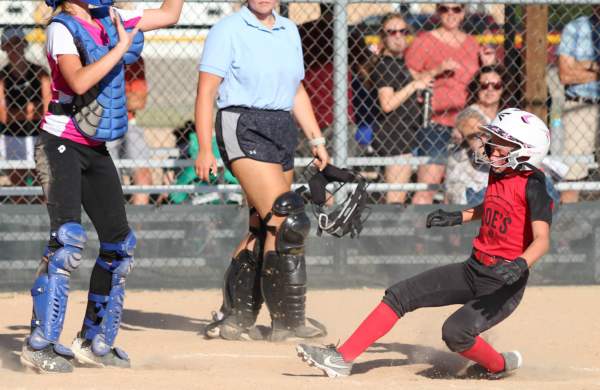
[[472, 214], [3, 110], [540, 244], [167, 15], [208, 86], [443, 218], [540, 210], [305, 116]]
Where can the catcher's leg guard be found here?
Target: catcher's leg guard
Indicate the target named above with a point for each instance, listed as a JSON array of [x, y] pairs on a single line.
[[50, 290], [102, 324], [284, 270], [242, 297]]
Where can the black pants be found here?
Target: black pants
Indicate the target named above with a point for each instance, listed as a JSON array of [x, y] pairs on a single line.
[[486, 300], [73, 175]]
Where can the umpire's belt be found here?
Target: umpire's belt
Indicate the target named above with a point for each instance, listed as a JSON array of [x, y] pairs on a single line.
[[244, 109], [581, 99], [485, 259]]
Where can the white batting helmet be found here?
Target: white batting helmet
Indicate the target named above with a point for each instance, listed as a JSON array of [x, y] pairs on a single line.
[[524, 129]]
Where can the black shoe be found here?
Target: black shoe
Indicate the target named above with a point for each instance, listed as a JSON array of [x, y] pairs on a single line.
[[314, 330]]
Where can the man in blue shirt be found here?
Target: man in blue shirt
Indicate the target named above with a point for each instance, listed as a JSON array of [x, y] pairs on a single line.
[[579, 53]]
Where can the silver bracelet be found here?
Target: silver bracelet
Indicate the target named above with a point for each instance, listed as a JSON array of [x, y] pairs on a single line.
[[317, 141]]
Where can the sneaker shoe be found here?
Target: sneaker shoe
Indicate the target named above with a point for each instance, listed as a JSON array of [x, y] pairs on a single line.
[[512, 361], [327, 359], [46, 360], [84, 355]]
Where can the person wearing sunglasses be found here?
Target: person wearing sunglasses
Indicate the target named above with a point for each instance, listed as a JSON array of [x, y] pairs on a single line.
[[397, 98], [486, 91], [464, 175], [452, 57]]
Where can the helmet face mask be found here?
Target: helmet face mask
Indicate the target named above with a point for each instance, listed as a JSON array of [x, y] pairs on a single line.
[[344, 217], [525, 135]]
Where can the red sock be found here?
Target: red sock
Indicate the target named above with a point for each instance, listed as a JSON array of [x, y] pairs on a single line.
[[484, 354], [375, 326]]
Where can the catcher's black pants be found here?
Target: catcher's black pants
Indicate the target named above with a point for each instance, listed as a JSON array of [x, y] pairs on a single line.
[[486, 299], [73, 175]]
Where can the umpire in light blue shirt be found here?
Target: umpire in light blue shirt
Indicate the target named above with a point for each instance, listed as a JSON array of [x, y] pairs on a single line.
[[252, 65]]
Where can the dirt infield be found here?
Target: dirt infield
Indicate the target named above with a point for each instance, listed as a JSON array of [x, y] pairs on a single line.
[[556, 329]]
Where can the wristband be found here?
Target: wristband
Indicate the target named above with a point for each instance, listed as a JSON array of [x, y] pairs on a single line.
[[317, 141]]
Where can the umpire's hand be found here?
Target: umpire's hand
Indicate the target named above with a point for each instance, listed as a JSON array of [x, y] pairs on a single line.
[[443, 218]]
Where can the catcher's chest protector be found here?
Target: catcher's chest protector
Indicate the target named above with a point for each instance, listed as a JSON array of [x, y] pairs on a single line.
[[101, 113]]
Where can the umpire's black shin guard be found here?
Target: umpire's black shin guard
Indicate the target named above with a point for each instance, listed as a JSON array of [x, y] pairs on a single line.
[[284, 270], [242, 297]]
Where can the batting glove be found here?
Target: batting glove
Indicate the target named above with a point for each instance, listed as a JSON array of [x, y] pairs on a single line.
[[511, 271], [443, 218]]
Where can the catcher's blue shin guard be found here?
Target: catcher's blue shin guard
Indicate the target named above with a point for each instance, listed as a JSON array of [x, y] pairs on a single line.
[[50, 290], [102, 326]]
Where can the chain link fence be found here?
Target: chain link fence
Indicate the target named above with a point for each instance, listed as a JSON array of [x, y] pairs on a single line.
[[397, 96], [369, 67]]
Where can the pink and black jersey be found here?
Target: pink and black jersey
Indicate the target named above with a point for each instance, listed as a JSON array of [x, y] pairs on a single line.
[[59, 41]]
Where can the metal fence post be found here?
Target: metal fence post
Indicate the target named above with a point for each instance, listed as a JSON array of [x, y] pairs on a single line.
[[340, 107], [340, 82]]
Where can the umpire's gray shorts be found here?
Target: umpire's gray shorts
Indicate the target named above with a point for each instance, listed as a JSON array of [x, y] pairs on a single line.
[[261, 135]]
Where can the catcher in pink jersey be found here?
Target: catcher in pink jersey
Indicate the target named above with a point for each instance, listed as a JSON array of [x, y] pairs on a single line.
[[88, 43], [515, 215]]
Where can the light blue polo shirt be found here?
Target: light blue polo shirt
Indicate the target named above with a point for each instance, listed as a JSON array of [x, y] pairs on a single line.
[[261, 68], [577, 41]]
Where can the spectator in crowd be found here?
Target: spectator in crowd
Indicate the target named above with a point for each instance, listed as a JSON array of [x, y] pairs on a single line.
[[397, 100], [452, 58], [187, 143], [465, 176], [364, 99], [133, 145], [578, 68], [488, 51], [486, 91], [317, 37], [24, 96], [317, 47]]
